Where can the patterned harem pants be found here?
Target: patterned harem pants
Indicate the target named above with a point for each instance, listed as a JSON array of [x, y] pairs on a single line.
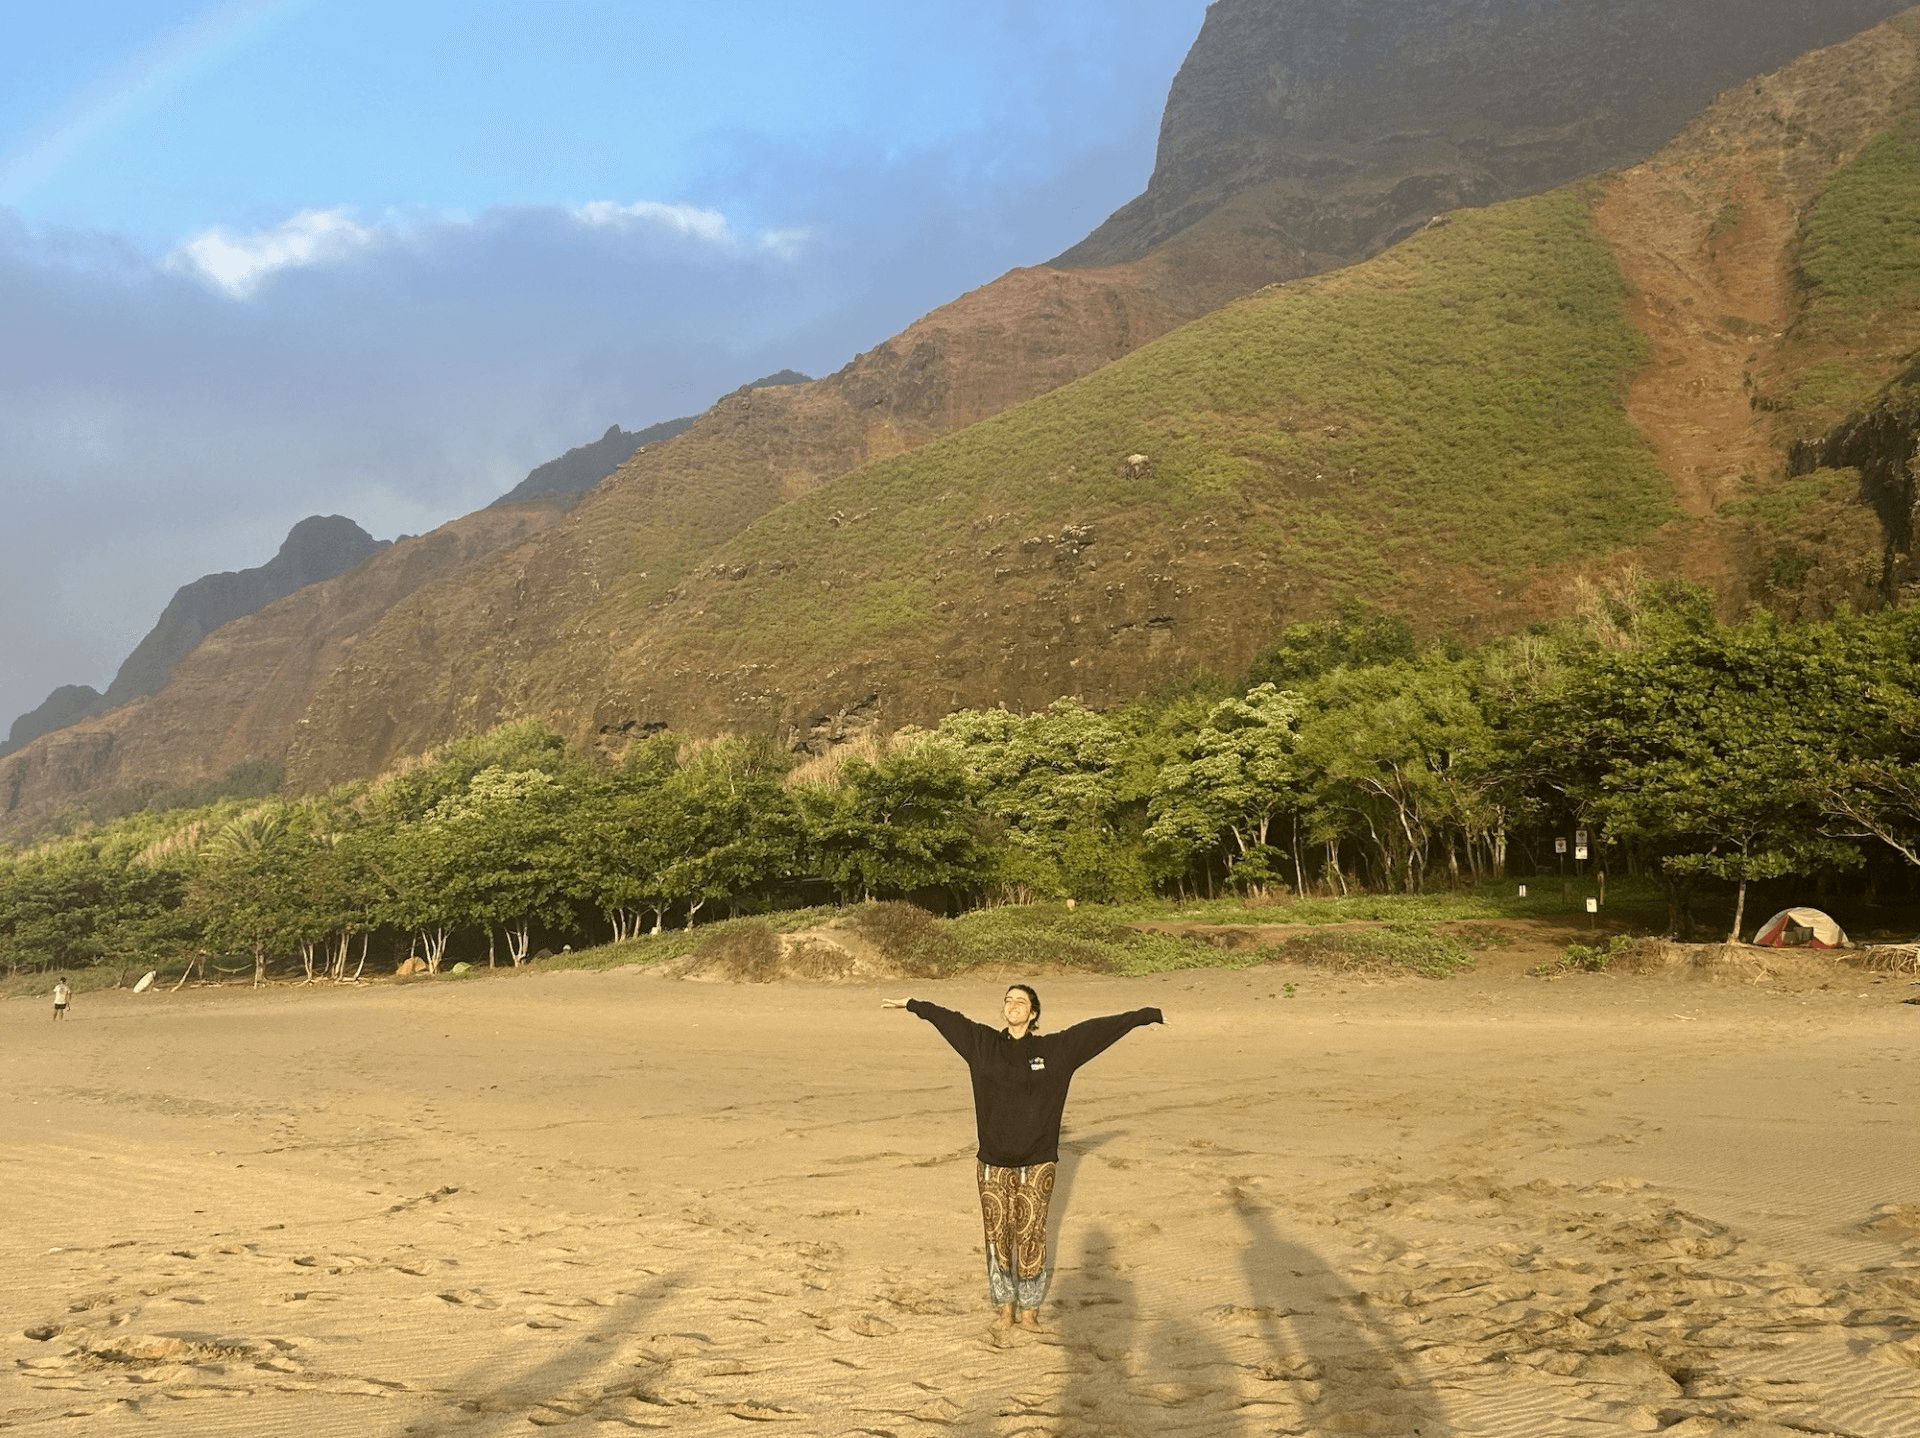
[[1013, 1202]]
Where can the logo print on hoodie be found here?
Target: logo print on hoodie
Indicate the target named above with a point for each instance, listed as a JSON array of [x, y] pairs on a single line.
[[1036, 1063]]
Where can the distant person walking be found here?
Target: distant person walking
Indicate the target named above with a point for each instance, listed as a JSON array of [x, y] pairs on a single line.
[[1020, 1079], [62, 996]]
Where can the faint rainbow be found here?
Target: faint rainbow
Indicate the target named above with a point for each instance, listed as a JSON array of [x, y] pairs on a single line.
[[140, 83]]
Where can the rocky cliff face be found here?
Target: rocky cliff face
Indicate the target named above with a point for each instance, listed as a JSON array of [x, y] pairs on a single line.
[[315, 549], [1339, 126], [67, 704], [584, 466], [244, 691]]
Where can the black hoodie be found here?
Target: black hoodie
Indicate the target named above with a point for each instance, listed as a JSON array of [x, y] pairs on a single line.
[[1020, 1085]]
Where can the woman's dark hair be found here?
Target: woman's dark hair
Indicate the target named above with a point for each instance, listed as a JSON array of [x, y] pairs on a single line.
[[1033, 999]]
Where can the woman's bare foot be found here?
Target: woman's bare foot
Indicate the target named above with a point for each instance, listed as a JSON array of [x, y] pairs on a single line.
[[1005, 1320], [1030, 1321]]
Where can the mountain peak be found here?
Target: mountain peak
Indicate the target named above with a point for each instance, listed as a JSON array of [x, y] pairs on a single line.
[[1320, 121]]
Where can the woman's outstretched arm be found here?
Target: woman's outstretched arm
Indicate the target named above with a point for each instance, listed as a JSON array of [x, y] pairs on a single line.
[[956, 1028], [1093, 1037]]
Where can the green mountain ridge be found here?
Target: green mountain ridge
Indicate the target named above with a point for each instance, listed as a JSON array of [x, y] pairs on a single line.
[[1454, 405], [1450, 431], [1477, 430]]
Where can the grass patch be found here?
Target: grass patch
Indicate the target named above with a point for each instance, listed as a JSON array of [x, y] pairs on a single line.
[[748, 952], [1092, 938], [1814, 548], [1096, 939], [1484, 936], [1859, 271], [908, 936], [1588, 958], [1863, 237], [1492, 899], [1401, 947], [94, 979]]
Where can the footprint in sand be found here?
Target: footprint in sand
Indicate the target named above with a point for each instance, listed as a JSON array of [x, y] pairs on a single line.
[[467, 1298]]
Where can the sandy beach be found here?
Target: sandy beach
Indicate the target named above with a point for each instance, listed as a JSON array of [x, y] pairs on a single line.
[[601, 1202]]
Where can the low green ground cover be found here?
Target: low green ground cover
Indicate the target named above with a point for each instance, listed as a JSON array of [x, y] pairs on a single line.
[[1401, 947], [1859, 274], [1096, 938]]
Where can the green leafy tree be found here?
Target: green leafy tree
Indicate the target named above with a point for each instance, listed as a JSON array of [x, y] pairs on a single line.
[[903, 822], [622, 840], [733, 822], [1359, 638], [416, 867], [1051, 784], [78, 902], [1238, 774], [503, 839], [1871, 787], [1405, 752], [249, 892], [1707, 749]]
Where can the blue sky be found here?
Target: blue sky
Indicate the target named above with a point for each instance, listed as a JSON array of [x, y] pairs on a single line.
[[270, 258]]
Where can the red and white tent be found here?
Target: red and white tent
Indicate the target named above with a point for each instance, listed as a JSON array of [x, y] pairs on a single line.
[[1801, 929]]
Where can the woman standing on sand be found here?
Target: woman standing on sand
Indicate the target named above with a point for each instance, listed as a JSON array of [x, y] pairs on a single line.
[[1020, 1079]]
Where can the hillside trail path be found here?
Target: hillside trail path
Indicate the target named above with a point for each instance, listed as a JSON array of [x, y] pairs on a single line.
[[1706, 258]]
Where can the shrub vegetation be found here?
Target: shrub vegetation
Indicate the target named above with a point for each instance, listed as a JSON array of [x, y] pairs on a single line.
[[1699, 755]]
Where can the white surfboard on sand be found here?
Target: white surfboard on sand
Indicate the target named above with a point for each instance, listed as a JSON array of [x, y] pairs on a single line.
[[146, 981]]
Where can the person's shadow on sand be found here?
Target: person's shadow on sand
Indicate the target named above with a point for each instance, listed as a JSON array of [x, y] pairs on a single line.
[[1130, 1378], [1347, 1372], [586, 1374], [1073, 1152], [1325, 1369]]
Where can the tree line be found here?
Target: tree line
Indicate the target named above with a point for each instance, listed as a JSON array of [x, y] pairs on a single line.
[[1695, 752]]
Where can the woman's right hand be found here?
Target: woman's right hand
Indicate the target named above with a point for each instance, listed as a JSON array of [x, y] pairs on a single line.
[[894, 1003]]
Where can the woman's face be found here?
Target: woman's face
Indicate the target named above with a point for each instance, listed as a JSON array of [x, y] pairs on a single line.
[[1018, 1009]]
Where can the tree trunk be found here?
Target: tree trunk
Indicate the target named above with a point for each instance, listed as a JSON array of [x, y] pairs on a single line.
[[259, 965], [1739, 913], [517, 942], [1680, 907], [489, 945]]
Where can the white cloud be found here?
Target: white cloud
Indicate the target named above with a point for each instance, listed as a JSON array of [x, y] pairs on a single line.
[[689, 222], [239, 263], [785, 244], [686, 220]]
